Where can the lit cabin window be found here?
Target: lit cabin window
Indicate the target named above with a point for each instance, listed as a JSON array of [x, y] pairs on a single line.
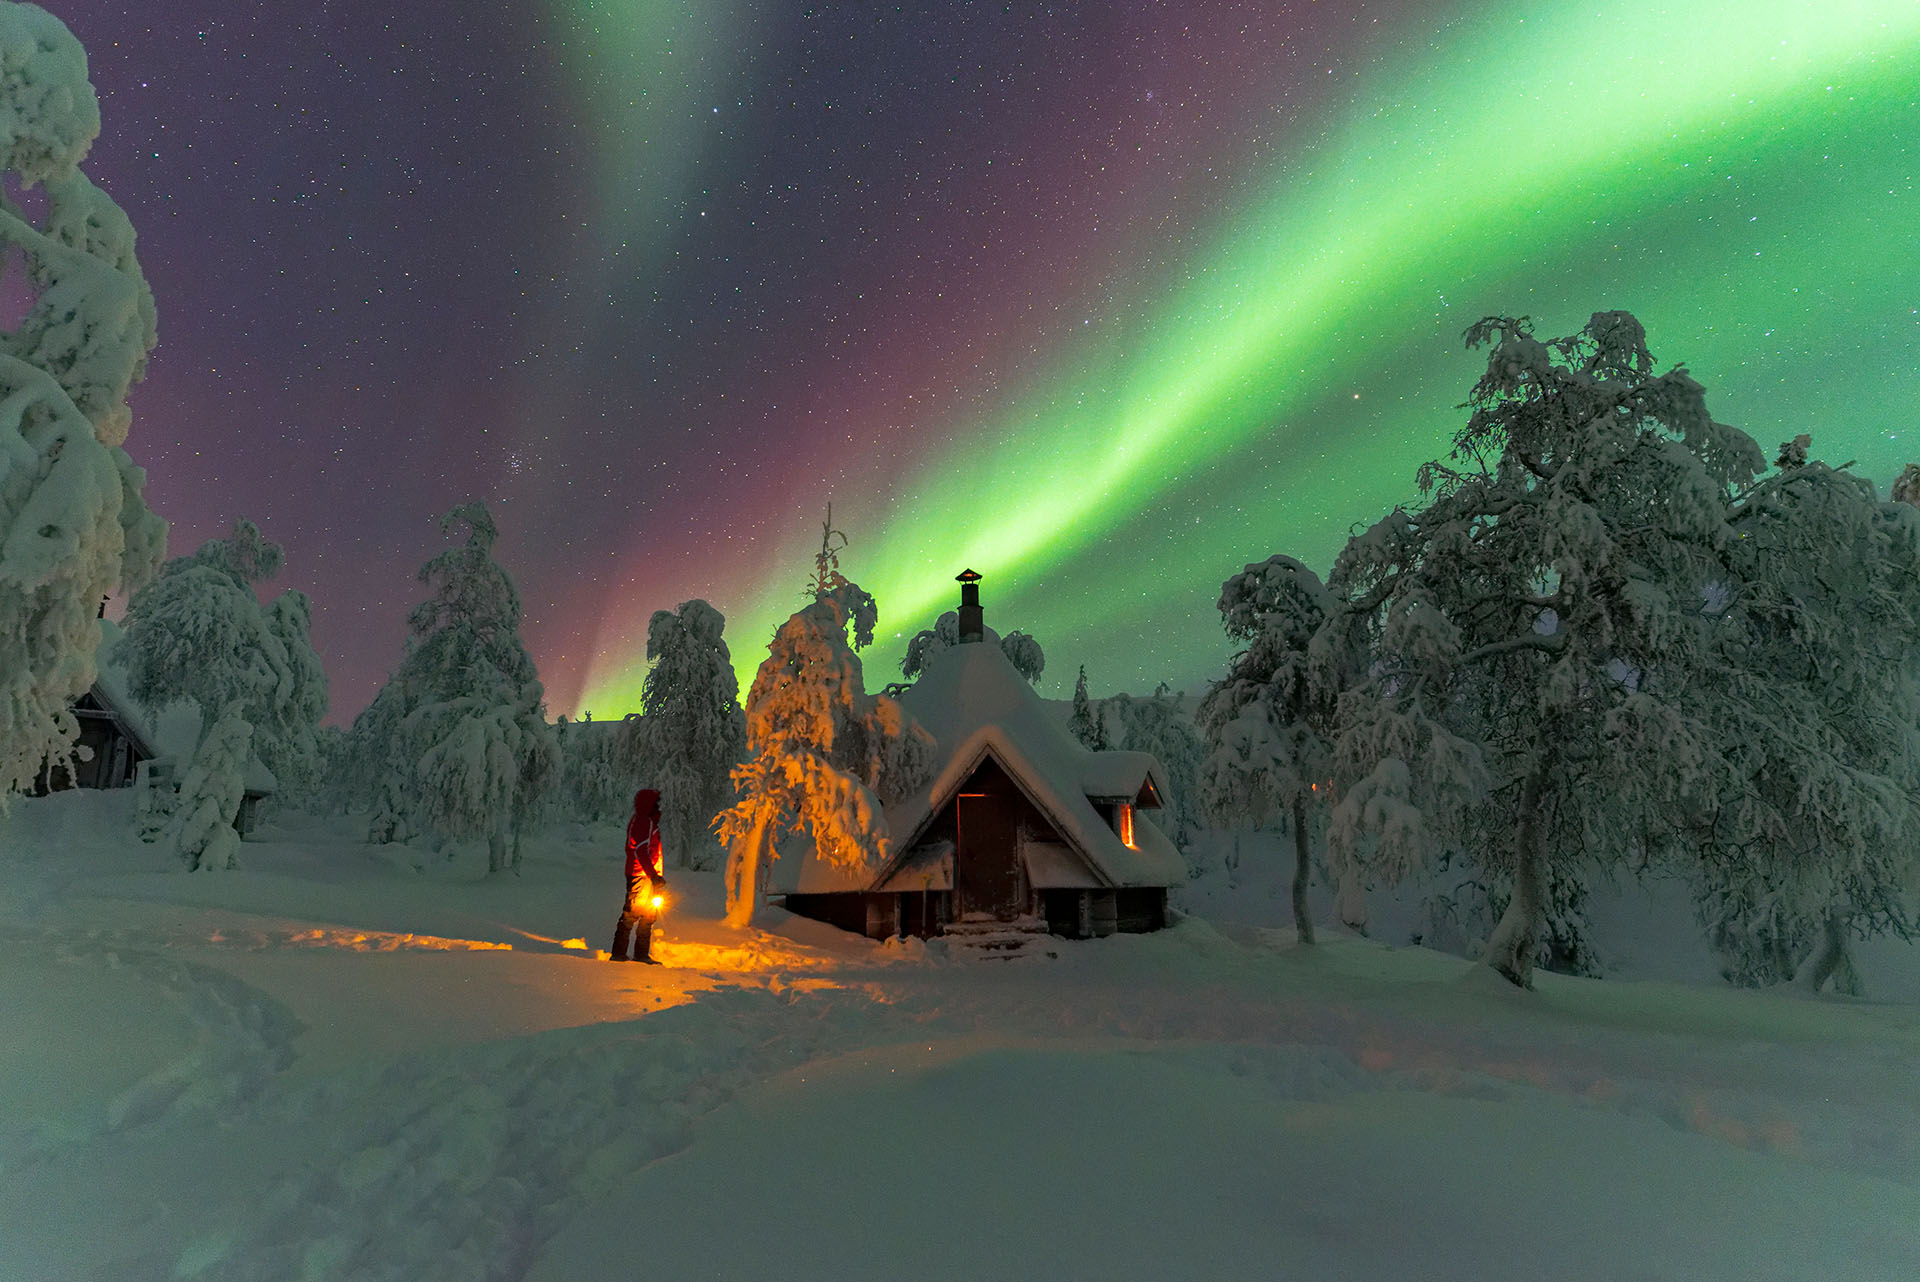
[[1123, 820]]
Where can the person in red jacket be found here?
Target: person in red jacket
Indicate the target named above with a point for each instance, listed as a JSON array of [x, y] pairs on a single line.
[[645, 880]]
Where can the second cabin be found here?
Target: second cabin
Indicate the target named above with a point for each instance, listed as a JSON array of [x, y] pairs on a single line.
[[1021, 826]]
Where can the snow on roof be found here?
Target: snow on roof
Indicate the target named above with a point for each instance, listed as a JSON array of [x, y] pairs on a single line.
[[1119, 775], [928, 867], [1053, 866], [976, 704]]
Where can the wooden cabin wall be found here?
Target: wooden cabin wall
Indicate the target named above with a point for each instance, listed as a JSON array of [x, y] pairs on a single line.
[[988, 874], [1139, 909], [112, 761]]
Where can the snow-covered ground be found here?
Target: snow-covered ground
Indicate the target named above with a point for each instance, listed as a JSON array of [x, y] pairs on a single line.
[[330, 1065]]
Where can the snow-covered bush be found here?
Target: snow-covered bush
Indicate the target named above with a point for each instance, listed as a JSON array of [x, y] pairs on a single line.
[[73, 525], [691, 701], [823, 755], [457, 740]]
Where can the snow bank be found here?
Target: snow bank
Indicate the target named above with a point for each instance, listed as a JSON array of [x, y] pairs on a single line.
[[329, 1065]]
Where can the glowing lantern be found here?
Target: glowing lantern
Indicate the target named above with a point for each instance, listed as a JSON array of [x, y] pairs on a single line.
[[1126, 824]]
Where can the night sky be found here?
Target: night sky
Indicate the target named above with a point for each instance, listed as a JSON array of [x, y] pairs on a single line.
[[1103, 301]]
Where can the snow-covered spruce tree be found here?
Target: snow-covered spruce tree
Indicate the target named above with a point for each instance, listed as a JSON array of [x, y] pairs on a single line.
[[73, 526], [1536, 627], [332, 746], [198, 635], [1267, 724], [200, 826], [288, 734], [1812, 833], [593, 787], [1028, 659], [1906, 486], [823, 755], [367, 774], [861, 612], [691, 699], [468, 751], [1159, 724], [1085, 722]]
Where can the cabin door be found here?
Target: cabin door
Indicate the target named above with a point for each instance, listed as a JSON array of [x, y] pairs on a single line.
[[987, 866]]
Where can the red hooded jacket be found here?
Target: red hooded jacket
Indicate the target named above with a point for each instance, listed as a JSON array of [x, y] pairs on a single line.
[[643, 836]]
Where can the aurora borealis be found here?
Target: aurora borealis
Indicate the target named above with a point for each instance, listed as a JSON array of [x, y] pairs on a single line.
[[1102, 301]]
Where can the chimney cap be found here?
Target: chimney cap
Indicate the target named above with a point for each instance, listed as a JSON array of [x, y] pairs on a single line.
[[966, 576]]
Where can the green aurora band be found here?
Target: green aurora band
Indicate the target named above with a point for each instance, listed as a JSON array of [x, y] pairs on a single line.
[[1736, 174]]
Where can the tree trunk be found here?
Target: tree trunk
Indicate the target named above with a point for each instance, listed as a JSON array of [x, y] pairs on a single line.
[[1828, 955], [1510, 951], [745, 859], [496, 849], [1302, 866]]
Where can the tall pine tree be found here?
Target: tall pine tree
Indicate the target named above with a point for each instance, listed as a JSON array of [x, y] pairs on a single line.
[[460, 730], [690, 703]]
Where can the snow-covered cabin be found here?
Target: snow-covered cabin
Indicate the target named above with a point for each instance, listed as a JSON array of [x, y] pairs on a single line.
[[1020, 823], [115, 739], [123, 737]]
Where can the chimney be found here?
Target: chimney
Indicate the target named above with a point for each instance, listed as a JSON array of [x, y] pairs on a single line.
[[973, 622]]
